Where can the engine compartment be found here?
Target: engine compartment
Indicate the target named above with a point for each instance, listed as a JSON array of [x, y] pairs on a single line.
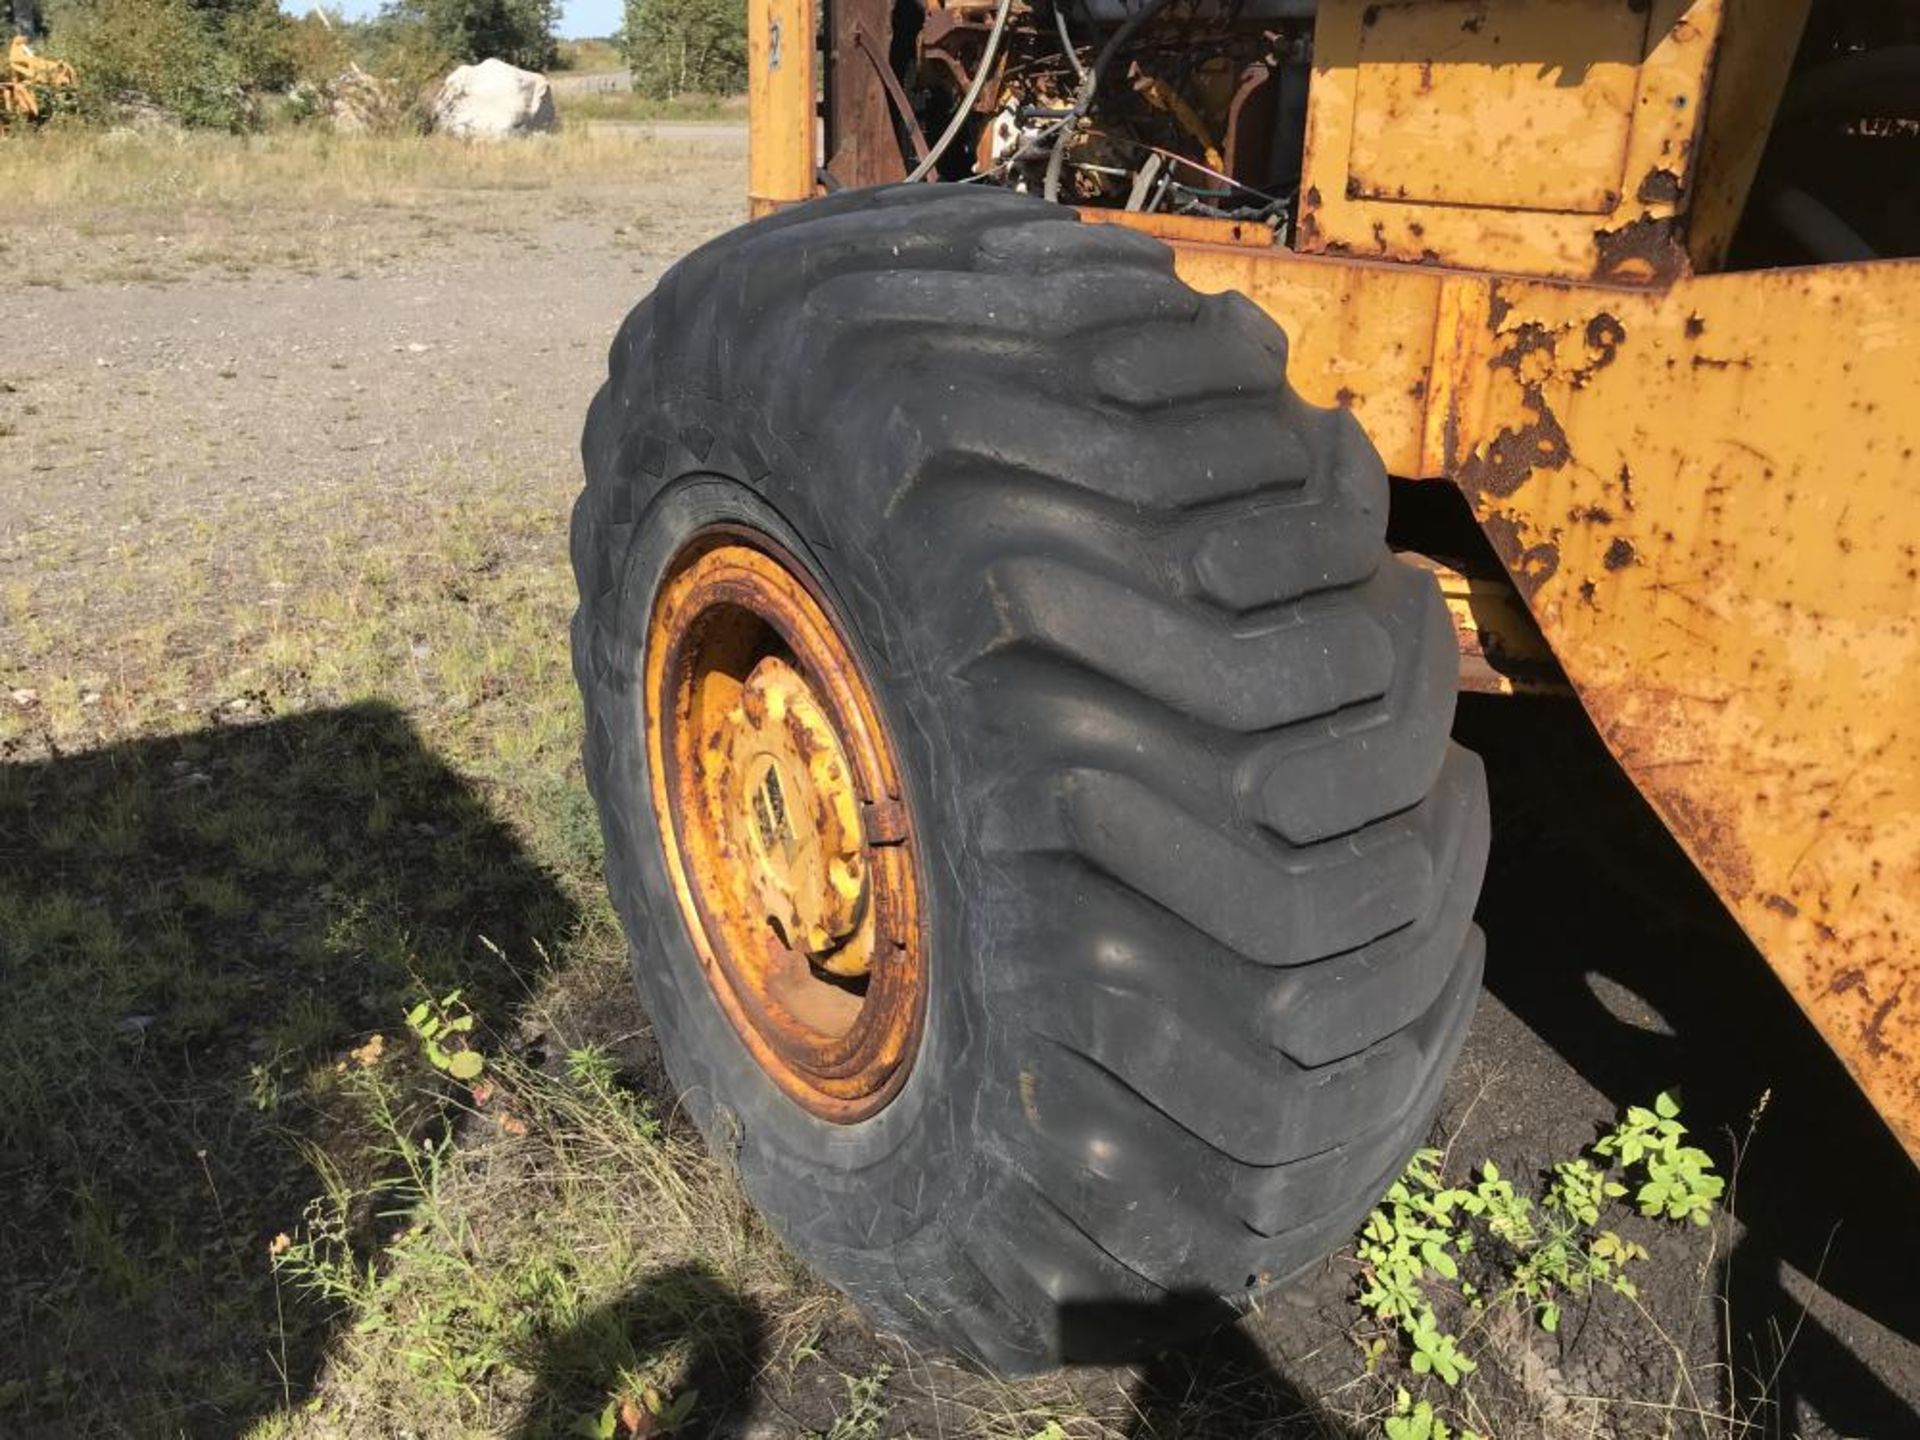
[[1182, 107], [1199, 108]]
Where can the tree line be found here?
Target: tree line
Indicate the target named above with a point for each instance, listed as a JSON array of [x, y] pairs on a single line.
[[213, 62]]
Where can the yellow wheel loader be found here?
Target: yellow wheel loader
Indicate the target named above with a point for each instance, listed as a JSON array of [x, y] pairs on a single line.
[[1026, 574], [31, 83]]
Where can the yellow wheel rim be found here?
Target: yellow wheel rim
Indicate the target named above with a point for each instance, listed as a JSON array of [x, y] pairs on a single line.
[[786, 835]]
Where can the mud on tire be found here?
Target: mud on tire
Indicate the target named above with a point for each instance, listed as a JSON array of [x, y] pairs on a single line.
[[1199, 859]]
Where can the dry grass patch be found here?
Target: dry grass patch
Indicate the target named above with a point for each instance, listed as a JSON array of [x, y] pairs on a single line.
[[136, 208]]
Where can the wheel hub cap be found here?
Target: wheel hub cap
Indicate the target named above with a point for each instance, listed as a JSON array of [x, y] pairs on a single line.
[[796, 811]]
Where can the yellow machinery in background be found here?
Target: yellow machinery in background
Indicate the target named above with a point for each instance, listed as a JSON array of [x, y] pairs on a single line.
[[1609, 270], [28, 80]]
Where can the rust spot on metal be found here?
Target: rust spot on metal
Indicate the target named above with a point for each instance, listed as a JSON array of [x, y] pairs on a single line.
[[1531, 338], [1713, 835], [1513, 455], [1605, 334], [1782, 904], [1517, 451], [1344, 398], [1872, 1035], [1695, 327], [1660, 187], [1531, 566], [1646, 251], [1620, 554]]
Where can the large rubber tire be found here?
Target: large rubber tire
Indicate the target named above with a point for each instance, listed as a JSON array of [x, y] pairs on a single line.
[[1198, 856]]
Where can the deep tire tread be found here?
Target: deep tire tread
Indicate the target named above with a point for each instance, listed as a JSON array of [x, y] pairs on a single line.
[[1235, 854]]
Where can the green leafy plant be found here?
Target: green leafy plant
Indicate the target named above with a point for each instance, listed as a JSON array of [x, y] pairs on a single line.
[[1579, 1190], [1535, 1251], [1680, 1183], [441, 1026], [1418, 1420], [1413, 1232], [651, 1414], [203, 63]]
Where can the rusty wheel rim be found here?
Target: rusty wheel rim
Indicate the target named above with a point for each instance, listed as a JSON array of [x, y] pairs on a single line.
[[787, 839]]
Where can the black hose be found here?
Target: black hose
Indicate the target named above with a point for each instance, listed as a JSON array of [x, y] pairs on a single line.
[[1089, 84]]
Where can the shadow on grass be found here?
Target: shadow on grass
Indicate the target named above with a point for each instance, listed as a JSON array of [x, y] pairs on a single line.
[[705, 1342], [1586, 891], [192, 931]]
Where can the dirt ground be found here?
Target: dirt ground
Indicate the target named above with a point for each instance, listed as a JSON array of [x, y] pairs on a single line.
[[157, 431]]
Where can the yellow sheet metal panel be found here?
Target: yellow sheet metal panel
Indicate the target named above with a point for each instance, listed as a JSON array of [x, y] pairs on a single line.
[[1201, 229], [1359, 336], [780, 94], [1757, 42], [1442, 116], [1707, 497], [1501, 148]]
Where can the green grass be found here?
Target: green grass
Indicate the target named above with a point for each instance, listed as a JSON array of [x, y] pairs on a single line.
[[237, 845], [219, 881], [199, 917]]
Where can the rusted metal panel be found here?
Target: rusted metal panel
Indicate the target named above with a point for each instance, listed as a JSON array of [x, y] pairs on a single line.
[[1750, 65], [1706, 497], [780, 94], [1531, 136], [862, 148]]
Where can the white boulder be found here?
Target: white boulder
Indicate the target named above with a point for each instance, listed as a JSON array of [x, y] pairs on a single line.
[[494, 101]]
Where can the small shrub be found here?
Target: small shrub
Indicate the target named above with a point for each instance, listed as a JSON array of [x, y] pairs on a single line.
[[1540, 1252], [201, 61], [1680, 1181]]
